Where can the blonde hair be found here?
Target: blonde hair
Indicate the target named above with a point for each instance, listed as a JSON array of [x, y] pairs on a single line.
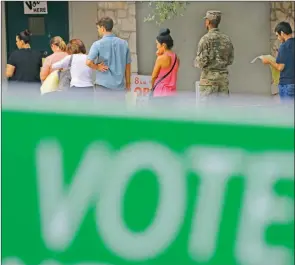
[[59, 42]]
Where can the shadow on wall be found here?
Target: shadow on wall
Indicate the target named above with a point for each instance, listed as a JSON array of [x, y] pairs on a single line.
[[247, 23]]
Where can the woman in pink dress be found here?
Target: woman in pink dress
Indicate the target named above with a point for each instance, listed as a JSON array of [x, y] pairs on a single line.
[[164, 76], [58, 47]]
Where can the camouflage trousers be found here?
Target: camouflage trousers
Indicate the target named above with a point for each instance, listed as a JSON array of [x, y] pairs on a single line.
[[213, 84]]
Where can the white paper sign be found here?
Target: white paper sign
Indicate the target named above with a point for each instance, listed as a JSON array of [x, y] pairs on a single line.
[[141, 85], [35, 7]]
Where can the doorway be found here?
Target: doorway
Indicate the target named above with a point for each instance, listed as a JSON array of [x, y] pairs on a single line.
[[42, 26]]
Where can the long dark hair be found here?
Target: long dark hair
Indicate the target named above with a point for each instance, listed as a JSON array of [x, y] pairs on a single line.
[[165, 37], [25, 36]]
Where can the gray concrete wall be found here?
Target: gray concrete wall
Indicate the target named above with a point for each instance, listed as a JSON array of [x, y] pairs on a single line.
[[247, 23], [82, 18]]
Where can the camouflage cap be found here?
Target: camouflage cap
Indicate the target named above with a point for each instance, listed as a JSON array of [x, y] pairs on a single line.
[[211, 15]]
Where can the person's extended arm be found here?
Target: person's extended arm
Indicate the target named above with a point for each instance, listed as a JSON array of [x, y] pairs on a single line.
[[99, 67], [62, 64], [92, 55], [202, 57], [9, 70], [279, 63], [231, 54], [279, 67], [128, 69], [157, 69], [10, 67], [128, 76]]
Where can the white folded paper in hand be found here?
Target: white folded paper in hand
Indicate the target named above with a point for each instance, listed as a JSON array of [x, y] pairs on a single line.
[[274, 72], [258, 57], [261, 56]]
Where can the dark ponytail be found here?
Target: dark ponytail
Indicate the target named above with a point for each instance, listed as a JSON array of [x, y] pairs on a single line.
[[25, 36]]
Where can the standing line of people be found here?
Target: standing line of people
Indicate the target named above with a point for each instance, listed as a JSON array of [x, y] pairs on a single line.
[[80, 73], [109, 59]]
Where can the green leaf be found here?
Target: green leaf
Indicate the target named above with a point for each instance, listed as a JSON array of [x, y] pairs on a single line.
[[162, 11]]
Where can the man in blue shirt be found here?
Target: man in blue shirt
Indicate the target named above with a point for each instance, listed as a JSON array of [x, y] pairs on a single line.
[[285, 62], [113, 68]]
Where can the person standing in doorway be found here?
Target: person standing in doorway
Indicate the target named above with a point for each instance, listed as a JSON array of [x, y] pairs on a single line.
[[59, 47], [23, 66], [113, 68], [215, 53], [285, 62]]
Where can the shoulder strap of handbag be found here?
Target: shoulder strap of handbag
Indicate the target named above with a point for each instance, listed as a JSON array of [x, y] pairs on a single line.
[[70, 62], [69, 65], [162, 78]]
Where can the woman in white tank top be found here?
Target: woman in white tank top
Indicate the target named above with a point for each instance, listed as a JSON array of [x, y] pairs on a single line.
[[81, 74]]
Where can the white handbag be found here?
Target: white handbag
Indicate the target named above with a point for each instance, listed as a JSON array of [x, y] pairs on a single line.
[[50, 84]]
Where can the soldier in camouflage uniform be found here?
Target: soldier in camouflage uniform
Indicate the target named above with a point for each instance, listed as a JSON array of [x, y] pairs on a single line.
[[215, 53]]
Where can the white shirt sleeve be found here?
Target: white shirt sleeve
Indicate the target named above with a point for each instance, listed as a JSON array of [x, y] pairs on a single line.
[[64, 63]]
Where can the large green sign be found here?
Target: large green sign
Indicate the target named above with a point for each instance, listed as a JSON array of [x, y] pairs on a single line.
[[107, 190]]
